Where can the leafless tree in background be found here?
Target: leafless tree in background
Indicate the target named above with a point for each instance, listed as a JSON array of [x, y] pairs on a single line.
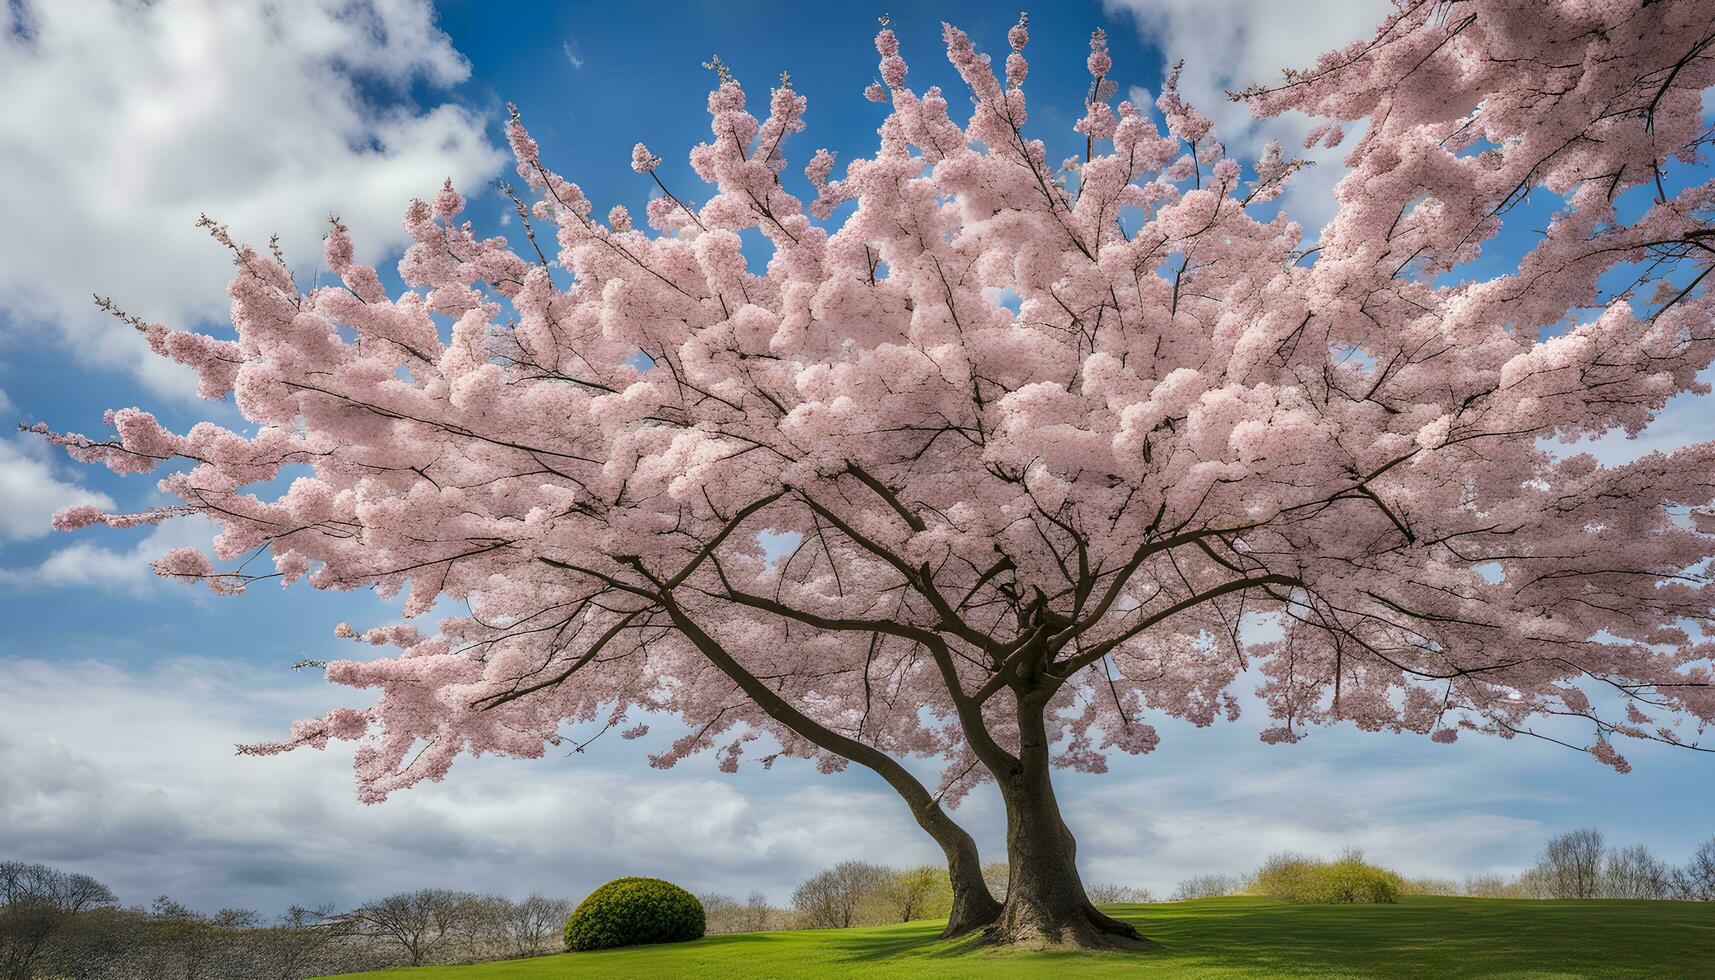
[[1571, 864], [725, 914], [757, 912], [1107, 893], [36, 901], [1635, 872], [1206, 886], [831, 900], [419, 922], [299, 940], [534, 925], [195, 946], [1433, 886], [496, 927], [722, 913], [1695, 882]]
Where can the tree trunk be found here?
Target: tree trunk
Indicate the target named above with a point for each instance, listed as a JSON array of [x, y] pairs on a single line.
[[1045, 905], [974, 906]]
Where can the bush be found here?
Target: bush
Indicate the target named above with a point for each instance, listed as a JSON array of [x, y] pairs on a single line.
[[1353, 882], [1287, 877], [914, 893], [1313, 881], [634, 912]]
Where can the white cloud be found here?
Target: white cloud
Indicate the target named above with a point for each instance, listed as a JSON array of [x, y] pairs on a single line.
[[86, 564], [571, 53], [167, 807], [127, 772], [122, 122], [1685, 419], [1232, 45], [1171, 822], [33, 488]]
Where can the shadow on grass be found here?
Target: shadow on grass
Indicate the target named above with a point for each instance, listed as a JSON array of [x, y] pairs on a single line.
[[1422, 937], [904, 941], [922, 941], [1438, 936]]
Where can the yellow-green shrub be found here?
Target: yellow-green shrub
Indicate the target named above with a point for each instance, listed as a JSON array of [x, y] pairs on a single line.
[[1313, 881], [1353, 881]]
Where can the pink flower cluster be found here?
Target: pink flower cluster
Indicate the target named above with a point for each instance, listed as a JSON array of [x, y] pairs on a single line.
[[1181, 451]]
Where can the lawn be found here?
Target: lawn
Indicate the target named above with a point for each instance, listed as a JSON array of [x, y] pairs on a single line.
[[1219, 937]]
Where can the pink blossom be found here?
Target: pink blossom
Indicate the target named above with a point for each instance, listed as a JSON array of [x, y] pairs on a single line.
[[184, 563], [642, 160], [78, 516], [1604, 752], [1031, 464], [1098, 63]]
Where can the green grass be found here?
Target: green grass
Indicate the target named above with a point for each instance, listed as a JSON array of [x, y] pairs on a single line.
[[1218, 937]]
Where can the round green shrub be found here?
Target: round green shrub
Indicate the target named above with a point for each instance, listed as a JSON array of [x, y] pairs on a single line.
[[634, 912]]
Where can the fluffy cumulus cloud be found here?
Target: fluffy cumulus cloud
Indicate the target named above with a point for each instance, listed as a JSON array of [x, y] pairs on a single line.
[[122, 122], [33, 486], [1234, 44], [127, 772], [85, 564]]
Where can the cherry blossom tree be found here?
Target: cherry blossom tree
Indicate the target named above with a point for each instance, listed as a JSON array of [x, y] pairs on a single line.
[[1054, 447]]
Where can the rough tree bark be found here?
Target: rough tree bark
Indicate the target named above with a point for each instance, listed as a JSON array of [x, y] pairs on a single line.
[[1045, 906]]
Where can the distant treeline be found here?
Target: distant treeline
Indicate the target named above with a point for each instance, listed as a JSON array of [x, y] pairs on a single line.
[[1577, 864], [55, 925]]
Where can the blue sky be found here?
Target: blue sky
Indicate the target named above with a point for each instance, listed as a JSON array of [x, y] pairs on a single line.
[[121, 696]]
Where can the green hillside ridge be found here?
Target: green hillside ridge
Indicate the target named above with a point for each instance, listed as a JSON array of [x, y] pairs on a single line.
[[1217, 937]]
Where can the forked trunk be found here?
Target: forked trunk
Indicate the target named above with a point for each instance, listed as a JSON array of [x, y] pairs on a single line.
[[1045, 905], [974, 906]]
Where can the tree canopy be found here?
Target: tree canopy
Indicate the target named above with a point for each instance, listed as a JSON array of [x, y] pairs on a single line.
[[1044, 472]]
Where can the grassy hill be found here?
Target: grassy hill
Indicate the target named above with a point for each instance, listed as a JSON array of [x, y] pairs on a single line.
[[1220, 937]]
